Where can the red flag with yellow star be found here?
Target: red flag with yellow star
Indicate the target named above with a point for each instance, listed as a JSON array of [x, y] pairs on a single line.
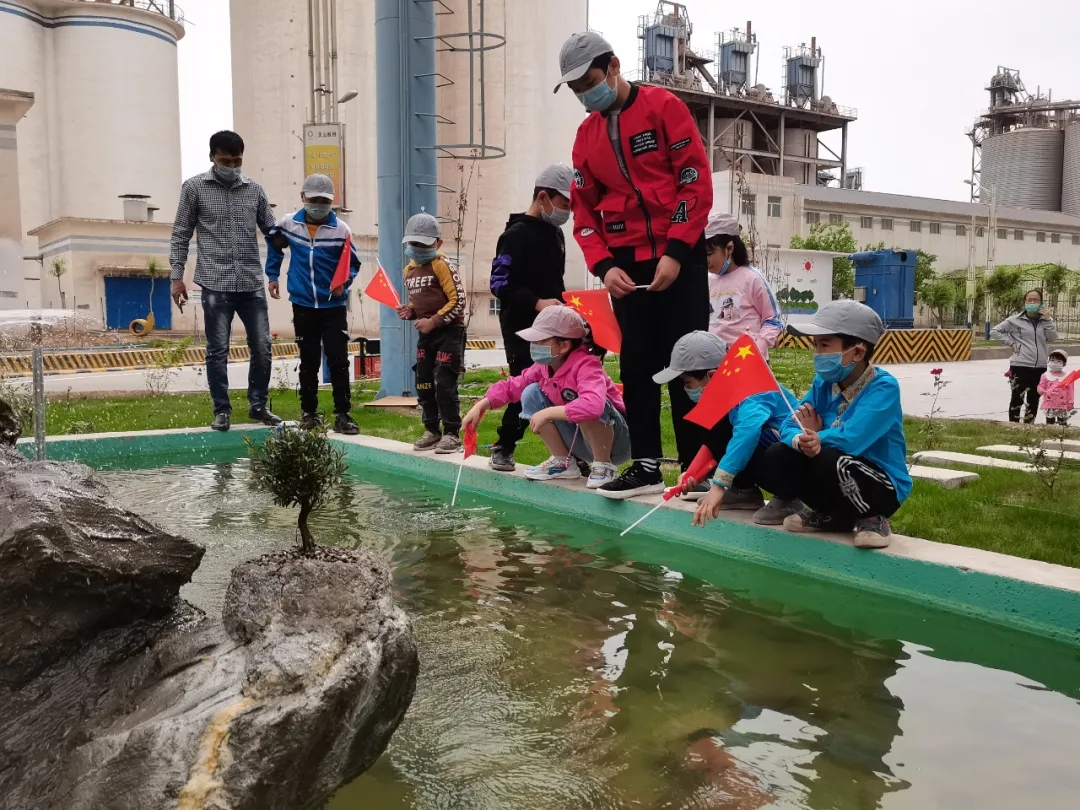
[[595, 307], [380, 289], [743, 373]]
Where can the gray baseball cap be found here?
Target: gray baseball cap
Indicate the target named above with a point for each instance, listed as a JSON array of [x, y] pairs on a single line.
[[697, 351], [558, 176], [578, 53], [555, 322], [843, 317], [722, 225], [422, 228], [318, 185]]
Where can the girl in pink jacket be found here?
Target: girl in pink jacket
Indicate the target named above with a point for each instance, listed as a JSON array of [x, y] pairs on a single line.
[[740, 297], [569, 400], [1057, 399]]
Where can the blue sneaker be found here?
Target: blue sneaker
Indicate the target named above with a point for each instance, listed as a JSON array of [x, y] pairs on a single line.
[[563, 469]]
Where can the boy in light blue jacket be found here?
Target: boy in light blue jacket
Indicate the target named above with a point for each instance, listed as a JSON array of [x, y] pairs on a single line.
[[317, 239], [846, 459]]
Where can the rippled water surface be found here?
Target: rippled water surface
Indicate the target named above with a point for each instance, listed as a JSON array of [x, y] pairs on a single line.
[[562, 668]]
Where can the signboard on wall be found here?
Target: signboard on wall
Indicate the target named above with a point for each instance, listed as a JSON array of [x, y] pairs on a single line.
[[800, 279], [324, 153]]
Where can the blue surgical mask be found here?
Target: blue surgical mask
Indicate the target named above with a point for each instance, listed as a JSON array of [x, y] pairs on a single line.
[[694, 393], [726, 267], [1032, 309], [599, 98], [831, 368], [226, 174], [542, 354], [317, 212], [421, 255]]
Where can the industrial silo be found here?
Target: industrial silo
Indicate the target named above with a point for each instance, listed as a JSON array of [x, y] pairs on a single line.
[[1070, 173], [106, 117], [733, 136], [1025, 168], [511, 107], [800, 143]]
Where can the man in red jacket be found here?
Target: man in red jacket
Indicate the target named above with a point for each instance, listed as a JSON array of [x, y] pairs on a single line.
[[643, 190]]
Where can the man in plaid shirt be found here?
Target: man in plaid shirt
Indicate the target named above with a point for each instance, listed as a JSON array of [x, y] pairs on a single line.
[[226, 209]]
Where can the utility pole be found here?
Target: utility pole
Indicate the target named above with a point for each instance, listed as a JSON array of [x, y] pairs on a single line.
[[991, 248]]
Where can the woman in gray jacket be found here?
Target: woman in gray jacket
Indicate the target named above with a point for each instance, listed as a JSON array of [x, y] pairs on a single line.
[[1029, 334]]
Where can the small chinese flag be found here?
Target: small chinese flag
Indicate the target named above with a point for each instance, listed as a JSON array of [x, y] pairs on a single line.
[[699, 470], [743, 374], [595, 307], [380, 289], [341, 274], [470, 440], [1072, 378]]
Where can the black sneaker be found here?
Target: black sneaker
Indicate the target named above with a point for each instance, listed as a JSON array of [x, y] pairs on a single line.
[[344, 424], [872, 532], [221, 422], [637, 480], [264, 417], [311, 421], [502, 460]]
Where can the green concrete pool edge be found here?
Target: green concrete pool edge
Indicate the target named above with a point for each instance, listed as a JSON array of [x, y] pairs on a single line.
[[1026, 606]]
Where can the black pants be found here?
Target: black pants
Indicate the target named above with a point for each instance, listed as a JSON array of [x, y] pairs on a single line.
[[513, 427], [651, 323], [717, 440], [843, 487], [440, 355], [320, 331], [1025, 382]]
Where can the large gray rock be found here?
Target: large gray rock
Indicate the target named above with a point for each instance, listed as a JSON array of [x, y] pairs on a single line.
[[114, 693]]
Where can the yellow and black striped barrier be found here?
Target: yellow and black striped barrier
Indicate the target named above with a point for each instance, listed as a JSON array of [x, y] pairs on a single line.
[[129, 359], [908, 345]]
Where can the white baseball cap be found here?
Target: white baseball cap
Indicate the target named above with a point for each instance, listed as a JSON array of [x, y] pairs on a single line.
[[318, 185], [578, 53]]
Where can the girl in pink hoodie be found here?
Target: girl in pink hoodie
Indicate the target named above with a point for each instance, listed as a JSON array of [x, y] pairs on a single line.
[[569, 400], [1057, 399], [739, 295]]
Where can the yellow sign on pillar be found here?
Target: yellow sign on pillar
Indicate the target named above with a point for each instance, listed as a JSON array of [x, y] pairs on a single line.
[[323, 154]]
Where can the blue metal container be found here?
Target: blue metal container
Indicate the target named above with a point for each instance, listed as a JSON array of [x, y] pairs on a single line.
[[660, 48], [885, 282]]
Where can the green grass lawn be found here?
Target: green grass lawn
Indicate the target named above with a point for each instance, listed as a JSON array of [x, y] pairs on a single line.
[[1005, 511]]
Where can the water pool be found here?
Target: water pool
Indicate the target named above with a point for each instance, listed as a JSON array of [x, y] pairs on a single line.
[[564, 668]]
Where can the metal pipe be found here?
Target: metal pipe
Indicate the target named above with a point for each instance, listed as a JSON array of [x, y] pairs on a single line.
[[311, 58], [38, 361], [472, 77], [843, 156], [328, 91], [483, 93], [712, 135], [783, 139], [317, 84], [334, 63]]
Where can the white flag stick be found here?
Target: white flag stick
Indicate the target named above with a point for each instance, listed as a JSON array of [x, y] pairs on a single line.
[[642, 520], [461, 466]]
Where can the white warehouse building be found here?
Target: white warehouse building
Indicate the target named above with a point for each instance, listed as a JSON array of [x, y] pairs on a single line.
[[779, 209], [89, 112]]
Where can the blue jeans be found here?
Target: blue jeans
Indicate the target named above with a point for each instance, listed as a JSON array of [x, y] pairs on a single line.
[[534, 400], [218, 310]]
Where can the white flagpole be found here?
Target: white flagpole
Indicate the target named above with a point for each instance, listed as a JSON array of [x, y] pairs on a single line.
[[461, 466], [638, 522]]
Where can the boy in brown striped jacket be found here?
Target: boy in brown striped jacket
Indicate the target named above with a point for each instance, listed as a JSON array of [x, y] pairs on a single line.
[[437, 306]]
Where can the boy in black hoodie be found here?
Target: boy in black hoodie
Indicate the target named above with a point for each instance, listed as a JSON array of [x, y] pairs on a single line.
[[526, 277]]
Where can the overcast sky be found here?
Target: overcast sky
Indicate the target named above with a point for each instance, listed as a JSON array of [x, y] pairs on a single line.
[[915, 70]]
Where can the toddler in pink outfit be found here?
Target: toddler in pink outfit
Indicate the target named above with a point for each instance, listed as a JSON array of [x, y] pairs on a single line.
[[1057, 399]]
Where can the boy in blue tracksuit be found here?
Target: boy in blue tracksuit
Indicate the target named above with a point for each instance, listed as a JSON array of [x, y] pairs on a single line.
[[848, 461], [316, 238], [739, 440]]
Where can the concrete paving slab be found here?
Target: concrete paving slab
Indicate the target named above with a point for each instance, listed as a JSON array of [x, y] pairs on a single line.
[[1069, 445], [944, 457], [1015, 450], [949, 479]]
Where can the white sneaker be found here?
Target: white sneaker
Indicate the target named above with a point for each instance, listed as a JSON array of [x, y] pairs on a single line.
[[563, 469], [601, 473]]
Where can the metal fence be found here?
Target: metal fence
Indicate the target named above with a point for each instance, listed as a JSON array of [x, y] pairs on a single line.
[[166, 8], [1063, 306]]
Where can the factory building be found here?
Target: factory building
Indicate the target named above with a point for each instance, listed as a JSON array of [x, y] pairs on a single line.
[[89, 130]]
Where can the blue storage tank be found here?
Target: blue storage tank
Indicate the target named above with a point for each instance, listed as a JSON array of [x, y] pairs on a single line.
[[660, 48], [885, 282]]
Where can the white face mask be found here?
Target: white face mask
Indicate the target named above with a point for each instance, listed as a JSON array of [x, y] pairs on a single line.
[[1055, 365]]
